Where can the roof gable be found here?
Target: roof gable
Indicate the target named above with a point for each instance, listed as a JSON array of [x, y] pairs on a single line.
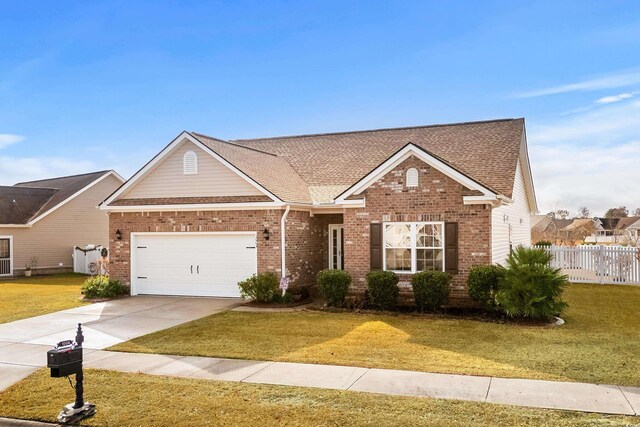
[[168, 180], [403, 154], [29, 202], [140, 174]]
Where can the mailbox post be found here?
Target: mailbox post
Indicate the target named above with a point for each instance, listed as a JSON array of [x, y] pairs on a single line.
[[65, 359]]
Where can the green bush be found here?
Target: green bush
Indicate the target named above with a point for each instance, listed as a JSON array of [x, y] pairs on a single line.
[[261, 287], [101, 287], [383, 289], [529, 287], [333, 286], [431, 289], [544, 243], [482, 284]]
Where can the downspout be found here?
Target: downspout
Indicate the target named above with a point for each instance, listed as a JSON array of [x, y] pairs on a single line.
[[282, 241]]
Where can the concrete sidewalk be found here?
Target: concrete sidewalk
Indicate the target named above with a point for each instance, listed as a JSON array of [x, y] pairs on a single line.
[[24, 343], [608, 399]]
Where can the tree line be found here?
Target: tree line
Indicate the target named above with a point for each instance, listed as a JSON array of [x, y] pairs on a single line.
[[585, 212]]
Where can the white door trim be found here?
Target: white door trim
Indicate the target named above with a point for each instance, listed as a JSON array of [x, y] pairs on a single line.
[[132, 243], [340, 228], [10, 255]]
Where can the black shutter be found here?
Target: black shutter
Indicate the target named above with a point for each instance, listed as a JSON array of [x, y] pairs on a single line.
[[451, 247], [375, 244]]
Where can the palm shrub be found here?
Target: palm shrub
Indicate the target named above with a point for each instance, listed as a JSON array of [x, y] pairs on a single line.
[[260, 287], [529, 287], [101, 287], [383, 290], [431, 289], [482, 284], [333, 285]]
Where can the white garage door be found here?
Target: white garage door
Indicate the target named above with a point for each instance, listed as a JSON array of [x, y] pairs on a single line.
[[209, 264]]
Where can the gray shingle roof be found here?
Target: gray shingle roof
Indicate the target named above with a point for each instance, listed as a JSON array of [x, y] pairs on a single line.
[[25, 201], [486, 151]]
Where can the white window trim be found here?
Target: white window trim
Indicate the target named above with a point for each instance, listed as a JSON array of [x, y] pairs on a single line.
[[413, 225], [10, 256], [184, 163]]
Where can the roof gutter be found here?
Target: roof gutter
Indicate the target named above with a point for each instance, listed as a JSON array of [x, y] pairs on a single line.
[[283, 240]]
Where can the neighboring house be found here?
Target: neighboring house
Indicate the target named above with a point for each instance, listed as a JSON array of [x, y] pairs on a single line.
[[616, 231], [579, 229], [545, 228], [626, 231], [633, 231], [41, 221], [205, 213]]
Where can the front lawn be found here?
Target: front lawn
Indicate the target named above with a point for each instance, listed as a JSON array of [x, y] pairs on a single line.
[[600, 342], [144, 400], [33, 296]]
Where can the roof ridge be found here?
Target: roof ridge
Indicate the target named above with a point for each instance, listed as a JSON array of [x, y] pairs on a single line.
[[231, 143], [28, 188], [378, 130], [62, 177]]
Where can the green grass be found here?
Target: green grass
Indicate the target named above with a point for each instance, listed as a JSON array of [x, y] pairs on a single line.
[[142, 400], [600, 342], [33, 296]]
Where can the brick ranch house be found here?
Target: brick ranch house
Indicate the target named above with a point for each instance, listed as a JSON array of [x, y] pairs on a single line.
[[205, 213]]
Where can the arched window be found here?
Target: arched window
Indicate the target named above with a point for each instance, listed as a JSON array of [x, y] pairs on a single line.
[[190, 163], [412, 177]]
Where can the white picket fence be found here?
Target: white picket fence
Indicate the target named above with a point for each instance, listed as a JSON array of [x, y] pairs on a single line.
[[597, 264]]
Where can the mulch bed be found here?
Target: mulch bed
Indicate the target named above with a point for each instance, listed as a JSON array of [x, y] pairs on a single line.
[[261, 304], [448, 313]]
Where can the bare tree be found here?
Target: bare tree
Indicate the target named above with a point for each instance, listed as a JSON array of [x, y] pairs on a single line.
[[619, 212], [636, 212], [584, 212], [562, 213]]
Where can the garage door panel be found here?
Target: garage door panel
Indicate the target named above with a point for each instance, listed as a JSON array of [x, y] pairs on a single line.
[[193, 264]]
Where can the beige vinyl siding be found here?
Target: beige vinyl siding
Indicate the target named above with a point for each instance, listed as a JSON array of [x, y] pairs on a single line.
[[516, 215], [78, 222], [168, 180]]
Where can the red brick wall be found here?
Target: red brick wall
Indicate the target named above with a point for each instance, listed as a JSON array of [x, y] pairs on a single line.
[[306, 237], [437, 198], [307, 245], [268, 250]]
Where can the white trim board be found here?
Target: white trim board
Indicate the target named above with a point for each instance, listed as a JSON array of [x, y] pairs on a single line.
[[10, 237], [165, 151], [68, 199], [488, 196]]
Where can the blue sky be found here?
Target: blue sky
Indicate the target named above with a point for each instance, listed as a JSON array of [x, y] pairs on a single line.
[[88, 85]]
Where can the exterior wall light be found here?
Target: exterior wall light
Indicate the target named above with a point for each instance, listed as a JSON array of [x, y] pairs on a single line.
[[118, 235], [265, 233]]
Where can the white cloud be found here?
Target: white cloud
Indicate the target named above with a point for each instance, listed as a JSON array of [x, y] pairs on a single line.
[[614, 98], [17, 169], [7, 139], [607, 82], [590, 159], [617, 122]]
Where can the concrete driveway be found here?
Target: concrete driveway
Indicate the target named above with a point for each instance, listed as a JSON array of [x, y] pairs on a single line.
[[24, 343]]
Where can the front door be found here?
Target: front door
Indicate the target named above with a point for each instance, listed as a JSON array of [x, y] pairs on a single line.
[[336, 241], [5, 256]]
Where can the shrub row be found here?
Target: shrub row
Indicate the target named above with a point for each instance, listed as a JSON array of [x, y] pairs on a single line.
[[526, 287], [430, 288]]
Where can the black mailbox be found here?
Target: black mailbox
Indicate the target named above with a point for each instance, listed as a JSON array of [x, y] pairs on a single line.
[[65, 359]]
